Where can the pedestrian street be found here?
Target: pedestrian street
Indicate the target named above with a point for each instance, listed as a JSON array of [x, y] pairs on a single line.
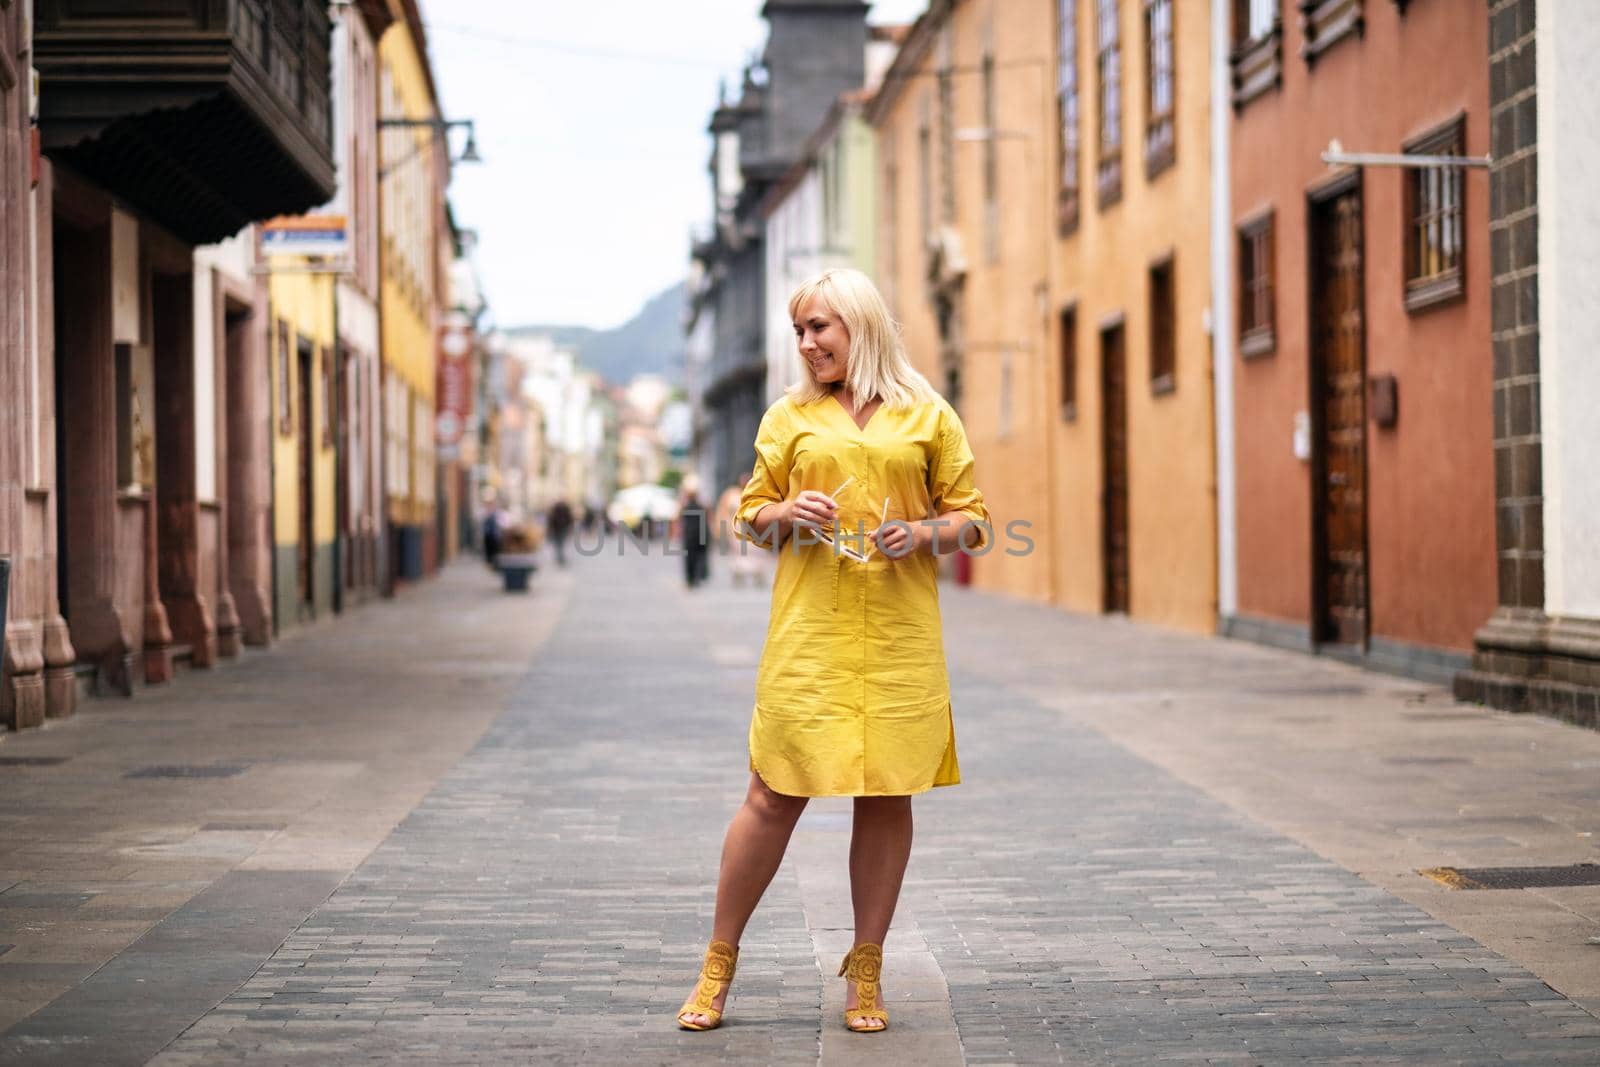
[[484, 827]]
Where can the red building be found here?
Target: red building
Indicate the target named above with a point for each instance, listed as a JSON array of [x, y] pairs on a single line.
[[1362, 377]]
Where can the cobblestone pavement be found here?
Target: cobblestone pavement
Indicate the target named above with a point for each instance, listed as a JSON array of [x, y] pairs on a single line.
[[1072, 902]]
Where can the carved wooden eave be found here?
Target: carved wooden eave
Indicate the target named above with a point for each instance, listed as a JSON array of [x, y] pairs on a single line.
[[204, 120]]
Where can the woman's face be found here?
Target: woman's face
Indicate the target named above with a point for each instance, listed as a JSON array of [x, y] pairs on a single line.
[[823, 340]]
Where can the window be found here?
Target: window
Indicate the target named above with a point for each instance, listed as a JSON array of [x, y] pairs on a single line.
[[285, 382], [1256, 337], [1109, 66], [1163, 329], [123, 354], [1069, 364], [1067, 112], [1434, 213], [1254, 19], [1160, 87], [1257, 57]]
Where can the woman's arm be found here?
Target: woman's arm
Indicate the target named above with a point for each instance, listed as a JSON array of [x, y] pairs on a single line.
[[943, 535]]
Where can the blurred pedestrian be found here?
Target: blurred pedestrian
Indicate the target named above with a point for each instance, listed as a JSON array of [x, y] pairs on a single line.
[[491, 533], [743, 563], [693, 534], [852, 697], [558, 524]]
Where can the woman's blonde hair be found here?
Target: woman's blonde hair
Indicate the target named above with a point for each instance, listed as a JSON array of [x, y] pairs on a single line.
[[876, 365]]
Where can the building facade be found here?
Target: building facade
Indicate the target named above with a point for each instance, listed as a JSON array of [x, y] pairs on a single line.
[[1039, 164], [38, 679], [413, 164], [1127, 367], [139, 498], [1361, 360], [360, 544], [1539, 649]]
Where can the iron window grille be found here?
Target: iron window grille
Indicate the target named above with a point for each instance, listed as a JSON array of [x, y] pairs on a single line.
[[1067, 113], [1435, 249], [1108, 45], [1161, 87]]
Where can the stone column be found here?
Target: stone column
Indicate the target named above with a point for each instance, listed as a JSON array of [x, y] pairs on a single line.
[[177, 504], [89, 505], [248, 469], [22, 701], [229, 639], [60, 681], [1525, 660]]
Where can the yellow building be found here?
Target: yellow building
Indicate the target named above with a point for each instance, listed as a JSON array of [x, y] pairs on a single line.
[[413, 162], [1046, 247], [302, 344]]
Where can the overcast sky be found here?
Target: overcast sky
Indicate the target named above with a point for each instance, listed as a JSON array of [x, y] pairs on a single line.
[[591, 121]]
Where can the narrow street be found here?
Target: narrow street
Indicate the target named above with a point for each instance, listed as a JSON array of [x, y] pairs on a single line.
[[481, 828]]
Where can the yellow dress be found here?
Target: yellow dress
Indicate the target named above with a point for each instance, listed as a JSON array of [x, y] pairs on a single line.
[[852, 698]]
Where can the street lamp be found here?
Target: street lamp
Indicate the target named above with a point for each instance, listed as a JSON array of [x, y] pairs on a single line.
[[441, 128]]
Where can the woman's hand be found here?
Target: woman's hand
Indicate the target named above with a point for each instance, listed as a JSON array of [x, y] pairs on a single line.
[[899, 539], [810, 508]]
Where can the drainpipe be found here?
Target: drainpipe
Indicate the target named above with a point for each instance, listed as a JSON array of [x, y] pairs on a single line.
[[1222, 308]]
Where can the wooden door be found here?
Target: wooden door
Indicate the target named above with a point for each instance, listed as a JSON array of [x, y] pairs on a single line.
[[1114, 450], [1338, 407], [306, 550]]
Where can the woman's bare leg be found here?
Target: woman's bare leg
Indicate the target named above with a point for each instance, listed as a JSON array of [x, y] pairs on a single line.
[[880, 847], [751, 853]]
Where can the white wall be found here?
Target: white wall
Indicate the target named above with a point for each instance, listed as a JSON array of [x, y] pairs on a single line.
[[1568, 38], [794, 243], [235, 258]]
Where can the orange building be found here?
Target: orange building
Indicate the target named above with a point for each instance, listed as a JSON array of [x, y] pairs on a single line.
[[1045, 242], [961, 131], [1129, 389]]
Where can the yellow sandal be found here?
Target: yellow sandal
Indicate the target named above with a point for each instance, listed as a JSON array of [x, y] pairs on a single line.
[[863, 965], [716, 974]]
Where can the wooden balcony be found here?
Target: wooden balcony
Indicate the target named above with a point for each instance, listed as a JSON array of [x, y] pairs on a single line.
[[206, 115]]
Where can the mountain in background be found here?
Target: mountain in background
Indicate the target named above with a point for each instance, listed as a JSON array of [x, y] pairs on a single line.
[[649, 343]]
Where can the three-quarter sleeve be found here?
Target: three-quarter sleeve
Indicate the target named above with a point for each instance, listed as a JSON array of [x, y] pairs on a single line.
[[952, 482], [769, 478]]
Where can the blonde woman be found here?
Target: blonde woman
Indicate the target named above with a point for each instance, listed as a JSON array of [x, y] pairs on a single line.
[[862, 475]]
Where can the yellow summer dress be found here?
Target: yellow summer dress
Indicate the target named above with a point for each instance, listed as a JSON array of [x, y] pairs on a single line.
[[852, 698]]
